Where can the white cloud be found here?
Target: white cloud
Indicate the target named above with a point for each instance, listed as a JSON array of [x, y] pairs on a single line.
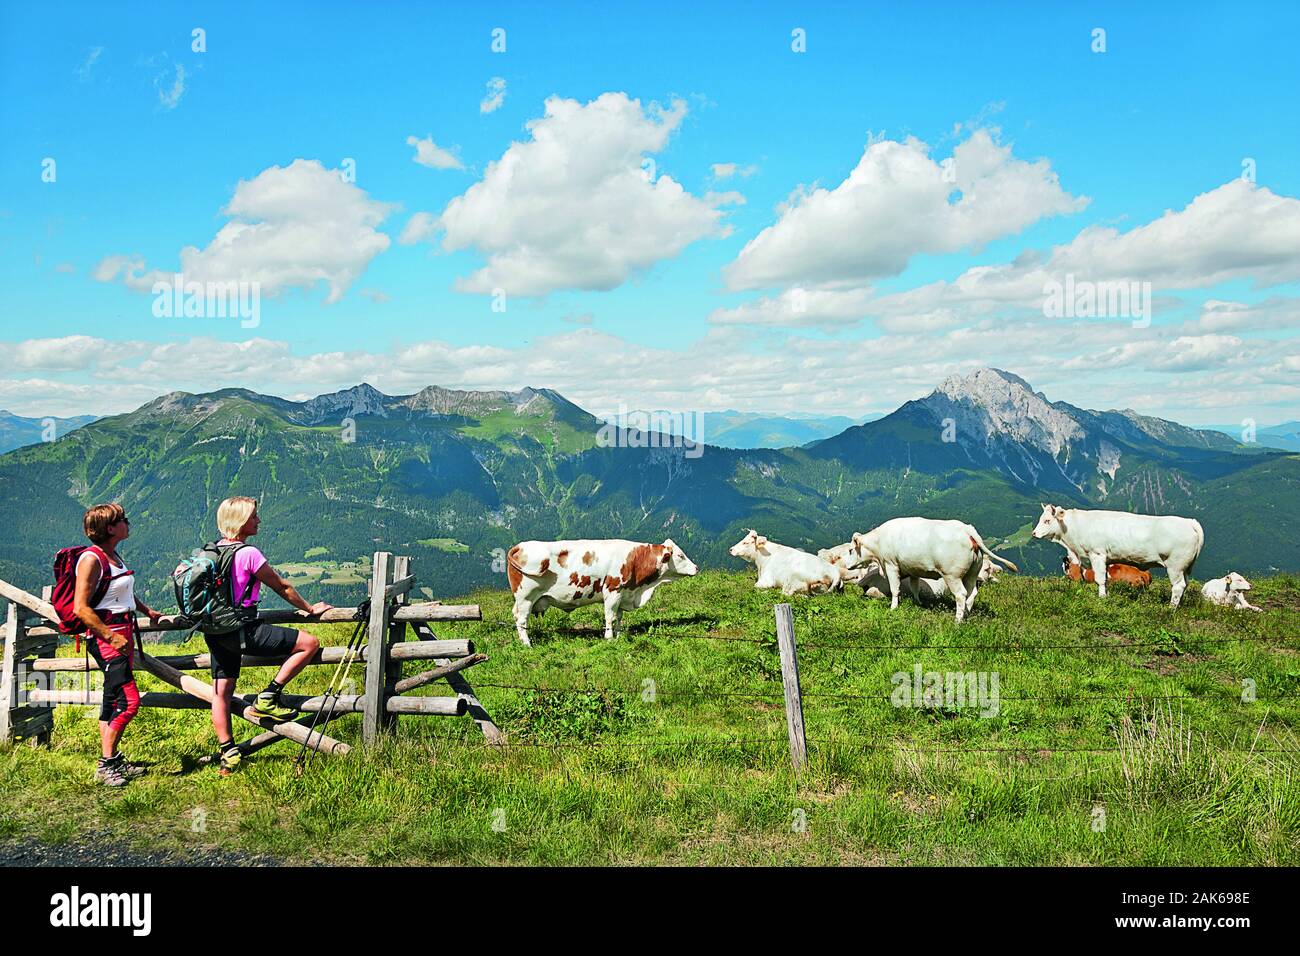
[[1089, 363], [88, 64], [418, 228], [894, 205], [799, 308], [428, 153], [1238, 231], [496, 95], [572, 207], [727, 170], [290, 227]]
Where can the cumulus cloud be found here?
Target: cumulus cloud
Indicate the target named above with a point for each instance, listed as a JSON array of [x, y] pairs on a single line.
[[428, 153], [897, 203], [290, 227], [1238, 231], [496, 95], [573, 207]]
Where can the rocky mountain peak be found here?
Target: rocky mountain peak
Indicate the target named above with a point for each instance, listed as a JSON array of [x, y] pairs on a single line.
[[989, 404]]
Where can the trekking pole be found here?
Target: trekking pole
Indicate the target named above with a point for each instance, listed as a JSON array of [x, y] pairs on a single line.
[[333, 688]]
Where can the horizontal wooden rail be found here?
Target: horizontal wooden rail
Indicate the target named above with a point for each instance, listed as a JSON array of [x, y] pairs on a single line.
[[345, 704], [408, 650], [407, 613], [428, 677]]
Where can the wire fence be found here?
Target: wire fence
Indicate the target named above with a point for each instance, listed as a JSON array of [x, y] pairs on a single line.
[[775, 695]]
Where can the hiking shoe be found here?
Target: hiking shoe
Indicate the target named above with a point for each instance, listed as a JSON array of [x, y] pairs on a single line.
[[110, 775], [229, 761], [128, 769], [269, 705]]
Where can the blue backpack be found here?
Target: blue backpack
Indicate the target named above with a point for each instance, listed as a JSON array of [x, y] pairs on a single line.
[[204, 583]]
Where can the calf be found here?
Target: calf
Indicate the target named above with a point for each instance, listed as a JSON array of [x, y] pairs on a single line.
[[791, 570], [1143, 541], [926, 548], [1121, 573], [1229, 592], [569, 574]]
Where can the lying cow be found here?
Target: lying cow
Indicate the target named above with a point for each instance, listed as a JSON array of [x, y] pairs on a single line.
[[569, 574], [926, 548], [1143, 541], [1229, 592], [791, 570], [1121, 573]]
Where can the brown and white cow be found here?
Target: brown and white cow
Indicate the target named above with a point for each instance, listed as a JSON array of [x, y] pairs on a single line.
[[1115, 573], [569, 574]]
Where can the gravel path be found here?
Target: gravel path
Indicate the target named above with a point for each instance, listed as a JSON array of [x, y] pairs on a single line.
[[33, 853]]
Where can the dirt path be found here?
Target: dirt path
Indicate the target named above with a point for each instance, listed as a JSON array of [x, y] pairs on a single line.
[[33, 853]]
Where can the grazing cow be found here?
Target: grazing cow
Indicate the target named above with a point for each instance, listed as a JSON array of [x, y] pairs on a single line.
[[1121, 573], [926, 548], [569, 574], [872, 578], [1143, 541], [869, 577], [791, 570], [1229, 592]]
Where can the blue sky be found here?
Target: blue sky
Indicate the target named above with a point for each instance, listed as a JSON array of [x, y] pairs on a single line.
[[152, 139]]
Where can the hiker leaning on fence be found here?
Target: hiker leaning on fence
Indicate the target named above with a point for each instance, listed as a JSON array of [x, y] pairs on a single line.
[[237, 520], [109, 615]]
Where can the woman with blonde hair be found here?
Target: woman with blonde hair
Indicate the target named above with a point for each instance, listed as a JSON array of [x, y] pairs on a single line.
[[237, 520], [110, 621]]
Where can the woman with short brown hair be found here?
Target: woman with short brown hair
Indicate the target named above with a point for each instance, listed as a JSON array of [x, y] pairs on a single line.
[[110, 621]]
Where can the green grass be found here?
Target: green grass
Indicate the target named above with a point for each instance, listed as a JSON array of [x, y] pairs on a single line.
[[450, 545], [603, 770]]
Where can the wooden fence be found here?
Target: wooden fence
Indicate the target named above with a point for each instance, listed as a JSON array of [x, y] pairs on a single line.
[[27, 699]]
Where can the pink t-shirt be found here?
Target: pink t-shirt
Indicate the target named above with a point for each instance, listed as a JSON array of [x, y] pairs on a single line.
[[248, 561]]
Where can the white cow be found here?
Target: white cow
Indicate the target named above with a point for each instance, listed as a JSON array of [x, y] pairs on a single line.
[[874, 584], [569, 574], [926, 548], [1144, 541], [1229, 592], [791, 570]]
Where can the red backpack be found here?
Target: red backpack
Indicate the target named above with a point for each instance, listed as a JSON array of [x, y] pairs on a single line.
[[64, 594]]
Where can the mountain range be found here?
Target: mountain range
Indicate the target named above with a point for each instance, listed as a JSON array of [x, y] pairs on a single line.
[[456, 477], [17, 431]]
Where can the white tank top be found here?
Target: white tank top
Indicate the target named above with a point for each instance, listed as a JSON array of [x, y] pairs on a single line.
[[120, 595]]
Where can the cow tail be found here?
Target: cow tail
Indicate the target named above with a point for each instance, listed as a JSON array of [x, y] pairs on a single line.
[[1001, 560]]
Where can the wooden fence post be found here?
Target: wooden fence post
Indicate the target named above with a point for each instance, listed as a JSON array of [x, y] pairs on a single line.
[[375, 719], [8, 682], [396, 635], [790, 681], [18, 719]]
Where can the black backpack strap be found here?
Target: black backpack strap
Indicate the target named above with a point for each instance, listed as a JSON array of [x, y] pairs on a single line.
[[225, 563]]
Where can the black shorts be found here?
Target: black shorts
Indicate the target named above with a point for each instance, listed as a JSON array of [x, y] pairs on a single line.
[[257, 639]]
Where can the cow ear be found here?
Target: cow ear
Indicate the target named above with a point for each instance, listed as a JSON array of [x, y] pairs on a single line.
[[760, 541], [1059, 512]]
